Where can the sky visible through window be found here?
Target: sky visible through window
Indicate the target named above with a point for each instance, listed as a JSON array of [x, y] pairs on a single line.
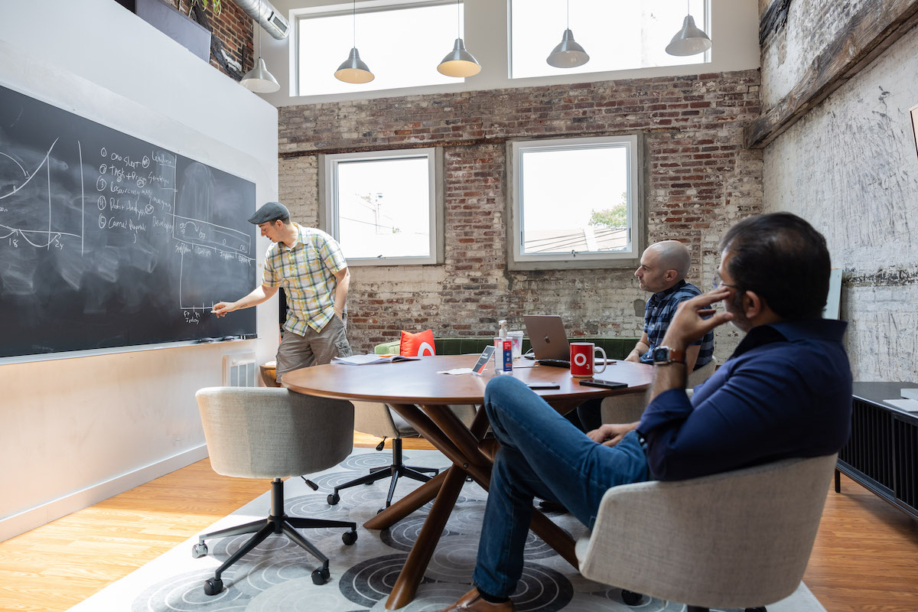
[[384, 208], [402, 47], [617, 34], [561, 191]]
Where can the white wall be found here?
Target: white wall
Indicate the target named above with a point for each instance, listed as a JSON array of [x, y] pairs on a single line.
[[851, 169], [734, 30], [76, 431]]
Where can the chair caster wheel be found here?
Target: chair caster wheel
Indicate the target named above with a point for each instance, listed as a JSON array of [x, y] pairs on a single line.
[[333, 499], [320, 576], [631, 598], [199, 550], [759, 609], [349, 537], [213, 586]]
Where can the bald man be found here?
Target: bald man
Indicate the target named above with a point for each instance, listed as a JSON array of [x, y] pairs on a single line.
[[662, 272]]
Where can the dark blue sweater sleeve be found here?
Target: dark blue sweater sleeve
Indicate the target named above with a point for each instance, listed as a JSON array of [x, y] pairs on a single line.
[[758, 414]]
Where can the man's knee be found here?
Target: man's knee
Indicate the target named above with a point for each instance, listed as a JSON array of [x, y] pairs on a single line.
[[503, 392]]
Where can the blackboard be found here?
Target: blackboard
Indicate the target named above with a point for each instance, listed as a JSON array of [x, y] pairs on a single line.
[[109, 241]]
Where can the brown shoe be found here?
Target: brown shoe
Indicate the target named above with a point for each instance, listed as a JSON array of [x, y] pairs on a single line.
[[472, 602]]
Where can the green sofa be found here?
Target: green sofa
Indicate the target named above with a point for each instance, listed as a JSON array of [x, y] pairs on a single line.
[[615, 348]]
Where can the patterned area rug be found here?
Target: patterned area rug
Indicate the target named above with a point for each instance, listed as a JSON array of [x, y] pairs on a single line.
[[276, 575]]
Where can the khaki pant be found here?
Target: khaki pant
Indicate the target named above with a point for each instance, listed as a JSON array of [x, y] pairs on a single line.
[[315, 348]]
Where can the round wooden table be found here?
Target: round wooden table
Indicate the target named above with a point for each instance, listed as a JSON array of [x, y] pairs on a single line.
[[416, 391]]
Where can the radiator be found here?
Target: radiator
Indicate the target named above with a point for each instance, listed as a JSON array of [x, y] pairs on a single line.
[[239, 369]]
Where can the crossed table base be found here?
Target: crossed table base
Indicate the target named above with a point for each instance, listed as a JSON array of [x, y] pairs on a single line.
[[470, 453]]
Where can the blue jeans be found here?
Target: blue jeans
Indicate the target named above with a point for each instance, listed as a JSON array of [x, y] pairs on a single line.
[[542, 455]]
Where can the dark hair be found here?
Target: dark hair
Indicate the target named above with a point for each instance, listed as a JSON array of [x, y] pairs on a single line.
[[783, 260]]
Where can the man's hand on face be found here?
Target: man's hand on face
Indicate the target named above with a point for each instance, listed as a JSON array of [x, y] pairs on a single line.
[[611, 434], [688, 324]]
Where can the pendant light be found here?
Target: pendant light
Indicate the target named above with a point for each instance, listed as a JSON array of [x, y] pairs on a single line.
[[689, 40], [459, 62], [354, 70], [568, 54], [258, 79]]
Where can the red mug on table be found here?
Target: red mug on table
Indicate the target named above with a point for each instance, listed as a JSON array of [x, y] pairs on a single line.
[[583, 359]]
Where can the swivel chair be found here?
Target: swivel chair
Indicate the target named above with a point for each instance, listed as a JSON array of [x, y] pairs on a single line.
[[273, 433], [740, 539], [378, 420]]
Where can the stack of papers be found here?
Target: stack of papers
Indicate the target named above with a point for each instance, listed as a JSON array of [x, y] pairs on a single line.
[[371, 359]]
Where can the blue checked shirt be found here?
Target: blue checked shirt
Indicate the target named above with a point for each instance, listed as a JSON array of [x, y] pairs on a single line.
[[306, 271], [660, 310]]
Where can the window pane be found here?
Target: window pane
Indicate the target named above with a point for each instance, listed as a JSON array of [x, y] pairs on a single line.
[[617, 35], [575, 200], [402, 47], [384, 208]]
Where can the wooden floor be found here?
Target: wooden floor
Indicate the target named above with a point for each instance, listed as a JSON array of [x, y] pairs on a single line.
[[865, 559]]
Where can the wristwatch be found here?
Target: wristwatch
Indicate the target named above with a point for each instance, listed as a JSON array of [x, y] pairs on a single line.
[[663, 355]]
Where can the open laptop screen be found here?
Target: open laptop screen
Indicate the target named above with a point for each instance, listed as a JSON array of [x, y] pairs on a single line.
[[547, 337]]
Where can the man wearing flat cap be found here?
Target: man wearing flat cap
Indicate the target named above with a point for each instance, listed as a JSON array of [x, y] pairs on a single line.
[[309, 265]]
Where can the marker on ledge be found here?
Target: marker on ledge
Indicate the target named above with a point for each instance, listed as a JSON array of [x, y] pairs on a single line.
[[204, 340]]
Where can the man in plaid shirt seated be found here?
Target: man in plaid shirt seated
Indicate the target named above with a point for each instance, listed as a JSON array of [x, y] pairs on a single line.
[[662, 272], [309, 265]]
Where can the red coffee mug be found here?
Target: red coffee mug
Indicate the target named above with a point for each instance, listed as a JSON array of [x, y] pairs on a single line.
[[583, 358]]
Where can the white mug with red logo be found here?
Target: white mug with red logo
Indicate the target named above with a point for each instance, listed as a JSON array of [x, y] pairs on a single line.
[[583, 358]]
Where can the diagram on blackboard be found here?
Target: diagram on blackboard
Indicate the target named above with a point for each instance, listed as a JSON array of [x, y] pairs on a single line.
[[107, 240], [23, 219]]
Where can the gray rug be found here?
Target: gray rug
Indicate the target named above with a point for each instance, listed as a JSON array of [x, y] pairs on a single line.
[[276, 575]]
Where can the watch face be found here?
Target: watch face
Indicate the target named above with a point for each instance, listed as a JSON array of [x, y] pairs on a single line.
[[661, 353]]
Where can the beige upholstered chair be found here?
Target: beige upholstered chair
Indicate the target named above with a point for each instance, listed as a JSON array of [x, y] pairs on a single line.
[[733, 540], [273, 433], [378, 420], [629, 408]]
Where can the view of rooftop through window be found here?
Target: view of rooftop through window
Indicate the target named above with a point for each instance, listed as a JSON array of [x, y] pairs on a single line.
[[384, 208], [402, 45], [617, 35], [575, 199]]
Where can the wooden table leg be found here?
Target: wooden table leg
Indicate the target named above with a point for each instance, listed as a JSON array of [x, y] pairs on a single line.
[[410, 577], [407, 504]]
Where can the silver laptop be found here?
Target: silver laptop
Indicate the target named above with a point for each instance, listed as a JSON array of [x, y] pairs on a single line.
[[547, 337]]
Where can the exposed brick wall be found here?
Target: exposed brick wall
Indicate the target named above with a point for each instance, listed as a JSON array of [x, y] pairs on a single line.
[[233, 27], [698, 180]]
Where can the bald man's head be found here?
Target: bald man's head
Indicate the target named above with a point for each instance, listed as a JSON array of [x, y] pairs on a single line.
[[663, 265]]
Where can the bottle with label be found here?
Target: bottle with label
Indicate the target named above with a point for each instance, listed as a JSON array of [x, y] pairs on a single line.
[[503, 351]]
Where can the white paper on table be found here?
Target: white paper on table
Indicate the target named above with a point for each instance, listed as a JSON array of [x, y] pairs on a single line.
[[904, 404], [456, 371]]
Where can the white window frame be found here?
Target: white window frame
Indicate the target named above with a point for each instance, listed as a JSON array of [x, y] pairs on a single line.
[[517, 260], [330, 10], [328, 201]]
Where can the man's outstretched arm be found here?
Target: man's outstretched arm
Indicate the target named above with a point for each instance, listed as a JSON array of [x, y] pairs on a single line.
[[259, 295]]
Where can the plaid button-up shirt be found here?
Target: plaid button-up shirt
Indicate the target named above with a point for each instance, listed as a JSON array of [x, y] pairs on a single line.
[[660, 310], [306, 271]]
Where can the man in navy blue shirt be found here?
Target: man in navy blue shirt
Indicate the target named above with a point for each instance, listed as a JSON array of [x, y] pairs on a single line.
[[785, 392]]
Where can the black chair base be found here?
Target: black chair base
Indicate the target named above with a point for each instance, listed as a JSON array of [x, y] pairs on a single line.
[[276, 523], [632, 599], [395, 471]]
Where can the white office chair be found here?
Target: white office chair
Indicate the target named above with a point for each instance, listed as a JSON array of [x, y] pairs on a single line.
[[273, 433], [739, 539]]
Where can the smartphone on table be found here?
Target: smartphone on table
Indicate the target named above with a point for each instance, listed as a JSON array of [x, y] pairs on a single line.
[[605, 384]]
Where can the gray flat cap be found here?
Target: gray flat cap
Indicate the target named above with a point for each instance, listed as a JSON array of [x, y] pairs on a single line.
[[271, 211]]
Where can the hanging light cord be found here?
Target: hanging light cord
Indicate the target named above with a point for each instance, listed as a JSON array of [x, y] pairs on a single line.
[[458, 17], [568, 14], [257, 25], [355, 23]]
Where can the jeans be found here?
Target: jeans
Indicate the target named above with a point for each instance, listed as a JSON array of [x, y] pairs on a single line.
[[542, 455]]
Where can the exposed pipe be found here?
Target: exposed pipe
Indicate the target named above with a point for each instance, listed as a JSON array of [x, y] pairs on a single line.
[[264, 13]]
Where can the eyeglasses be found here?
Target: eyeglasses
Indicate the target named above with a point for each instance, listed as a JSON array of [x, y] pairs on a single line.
[[719, 282]]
